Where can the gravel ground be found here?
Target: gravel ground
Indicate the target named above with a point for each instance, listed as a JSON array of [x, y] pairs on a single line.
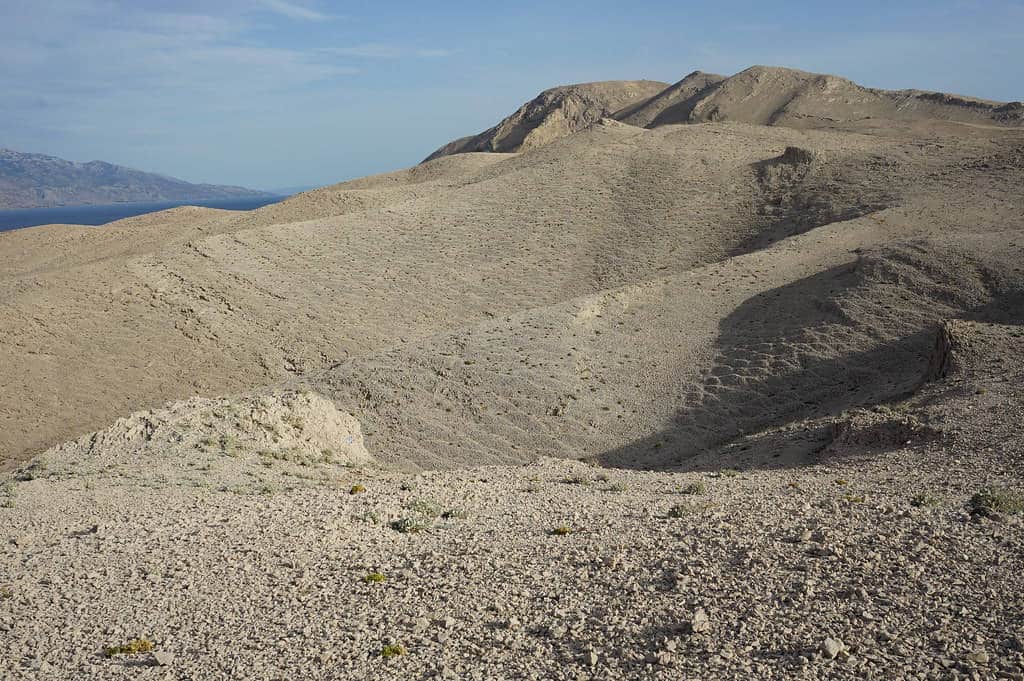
[[855, 568]]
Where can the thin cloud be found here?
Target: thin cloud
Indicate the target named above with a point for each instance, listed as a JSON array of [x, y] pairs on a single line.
[[386, 51], [293, 11], [757, 28], [432, 54]]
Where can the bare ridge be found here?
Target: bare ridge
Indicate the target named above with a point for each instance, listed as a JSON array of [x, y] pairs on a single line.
[[759, 95], [555, 113], [673, 104]]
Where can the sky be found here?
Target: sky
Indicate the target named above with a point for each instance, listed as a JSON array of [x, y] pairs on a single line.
[[281, 93]]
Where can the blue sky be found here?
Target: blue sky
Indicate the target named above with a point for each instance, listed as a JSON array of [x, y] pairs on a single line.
[[273, 93]]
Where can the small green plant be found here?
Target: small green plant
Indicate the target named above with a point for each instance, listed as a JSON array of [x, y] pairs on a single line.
[[694, 488], [425, 507], [369, 517], [455, 514], [993, 500], [842, 481], [680, 511], [357, 489], [392, 650], [561, 531], [728, 472], [410, 524], [133, 647], [374, 578], [575, 480], [617, 486], [924, 500], [6, 593]]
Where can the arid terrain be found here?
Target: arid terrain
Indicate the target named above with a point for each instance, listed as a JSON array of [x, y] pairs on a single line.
[[718, 379]]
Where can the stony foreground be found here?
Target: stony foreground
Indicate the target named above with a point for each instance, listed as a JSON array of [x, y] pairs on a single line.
[[852, 569]]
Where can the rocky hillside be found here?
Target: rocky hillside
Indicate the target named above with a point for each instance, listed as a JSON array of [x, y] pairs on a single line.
[[671, 105], [760, 95], [419, 299], [555, 113], [35, 180]]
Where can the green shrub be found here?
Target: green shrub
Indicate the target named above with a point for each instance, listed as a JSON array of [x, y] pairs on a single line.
[[994, 500], [681, 511], [392, 650], [694, 488], [425, 507], [561, 531], [410, 524], [133, 647], [374, 578], [924, 499]]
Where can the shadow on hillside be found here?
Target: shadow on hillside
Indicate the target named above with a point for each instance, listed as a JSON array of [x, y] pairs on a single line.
[[799, 192], [780, 359], [681, 111]]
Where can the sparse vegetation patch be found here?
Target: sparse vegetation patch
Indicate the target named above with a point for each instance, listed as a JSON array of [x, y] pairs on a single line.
[[992, 500], [392, 650], [694, 488], [133, 647], [410, 524]]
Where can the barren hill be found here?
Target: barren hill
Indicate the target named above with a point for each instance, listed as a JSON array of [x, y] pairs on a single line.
[[774, 96], [762, 325], [555, 113], [673, 104], [207, 302], [760, 95], [35, 180]]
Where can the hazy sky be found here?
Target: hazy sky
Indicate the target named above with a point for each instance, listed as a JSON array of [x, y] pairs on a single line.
[[273, 93]]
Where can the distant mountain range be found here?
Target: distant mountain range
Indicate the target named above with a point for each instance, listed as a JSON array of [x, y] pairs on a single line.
[[35, 180]]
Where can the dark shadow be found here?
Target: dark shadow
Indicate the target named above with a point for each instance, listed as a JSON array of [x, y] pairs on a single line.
[[793, 354], [799, 192], [682, 111]]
